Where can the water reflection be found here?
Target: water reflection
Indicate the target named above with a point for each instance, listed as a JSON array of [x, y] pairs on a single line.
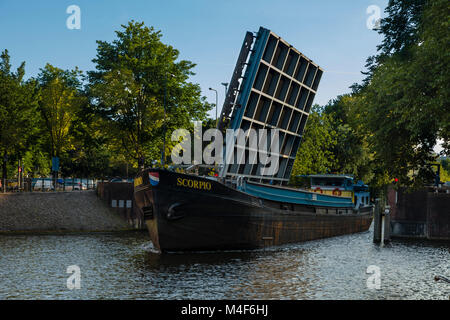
[[156, 261], [126, 266]]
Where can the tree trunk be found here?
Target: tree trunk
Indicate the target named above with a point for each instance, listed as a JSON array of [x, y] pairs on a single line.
[[4, 173]]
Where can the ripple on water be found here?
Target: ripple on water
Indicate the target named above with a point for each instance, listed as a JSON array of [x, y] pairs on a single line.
[[127, 266]]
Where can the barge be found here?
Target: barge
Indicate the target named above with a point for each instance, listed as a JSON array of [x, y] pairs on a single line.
[[186, 212], [245, 206]]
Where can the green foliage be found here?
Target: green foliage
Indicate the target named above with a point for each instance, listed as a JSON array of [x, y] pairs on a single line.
[[332, 142], [445, 170], [137, 80], [60, 102], [400, 29], [350, 150], [90, 153], [388, 127], [405, 107], [101, 128], [140, 92], [445, 163], [315, 154], [18, 111]]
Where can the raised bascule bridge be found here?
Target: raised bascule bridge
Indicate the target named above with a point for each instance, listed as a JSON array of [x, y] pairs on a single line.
[[272, 87]]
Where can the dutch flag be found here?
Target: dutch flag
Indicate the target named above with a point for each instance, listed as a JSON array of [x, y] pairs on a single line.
[[154, 178]]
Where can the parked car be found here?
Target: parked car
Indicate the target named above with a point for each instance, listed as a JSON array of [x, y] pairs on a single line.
[[11, 185], [117, 179], [43, 184], [82, 185], [74, 184]]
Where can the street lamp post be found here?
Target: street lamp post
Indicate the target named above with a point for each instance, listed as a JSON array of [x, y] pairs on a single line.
[[216, 101], [225, 84]]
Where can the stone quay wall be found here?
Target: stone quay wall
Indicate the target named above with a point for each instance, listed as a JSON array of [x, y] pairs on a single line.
[[79, 211]]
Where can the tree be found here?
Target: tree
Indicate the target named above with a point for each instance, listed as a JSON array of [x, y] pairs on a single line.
[[405, 106], [89, 154], [315, 152], [18, 112], [400, 30], [350, 150], [61, 99], [142, 91]]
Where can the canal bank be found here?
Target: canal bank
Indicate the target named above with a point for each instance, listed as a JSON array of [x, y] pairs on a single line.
[[420, 214], [58, 212]]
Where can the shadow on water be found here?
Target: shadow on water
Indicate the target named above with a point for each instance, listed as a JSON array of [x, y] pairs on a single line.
[[155, 260], [272, 273], [422, 243]]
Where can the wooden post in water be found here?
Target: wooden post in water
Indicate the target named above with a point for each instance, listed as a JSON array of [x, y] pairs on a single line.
[[377, 222], [387, 225]]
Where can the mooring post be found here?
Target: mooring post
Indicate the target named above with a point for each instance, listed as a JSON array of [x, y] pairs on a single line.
[[377, 222], [387, 224]]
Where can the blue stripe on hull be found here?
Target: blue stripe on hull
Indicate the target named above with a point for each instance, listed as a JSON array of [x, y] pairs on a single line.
[[296, 196]]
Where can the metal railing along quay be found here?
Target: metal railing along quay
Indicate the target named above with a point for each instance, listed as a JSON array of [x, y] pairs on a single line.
[[45, 184]]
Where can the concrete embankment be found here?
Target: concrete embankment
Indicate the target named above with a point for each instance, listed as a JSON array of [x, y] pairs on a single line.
[[57, 212]]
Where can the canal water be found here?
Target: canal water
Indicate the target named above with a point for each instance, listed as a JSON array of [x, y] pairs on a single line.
[[126, 266]]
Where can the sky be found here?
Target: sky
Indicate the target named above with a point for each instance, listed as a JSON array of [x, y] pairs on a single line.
[[334, 34]]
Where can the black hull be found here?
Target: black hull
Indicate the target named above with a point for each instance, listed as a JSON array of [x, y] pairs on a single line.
[[207, 215]]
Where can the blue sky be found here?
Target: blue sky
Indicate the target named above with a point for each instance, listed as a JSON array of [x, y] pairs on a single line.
[[210, 33]]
